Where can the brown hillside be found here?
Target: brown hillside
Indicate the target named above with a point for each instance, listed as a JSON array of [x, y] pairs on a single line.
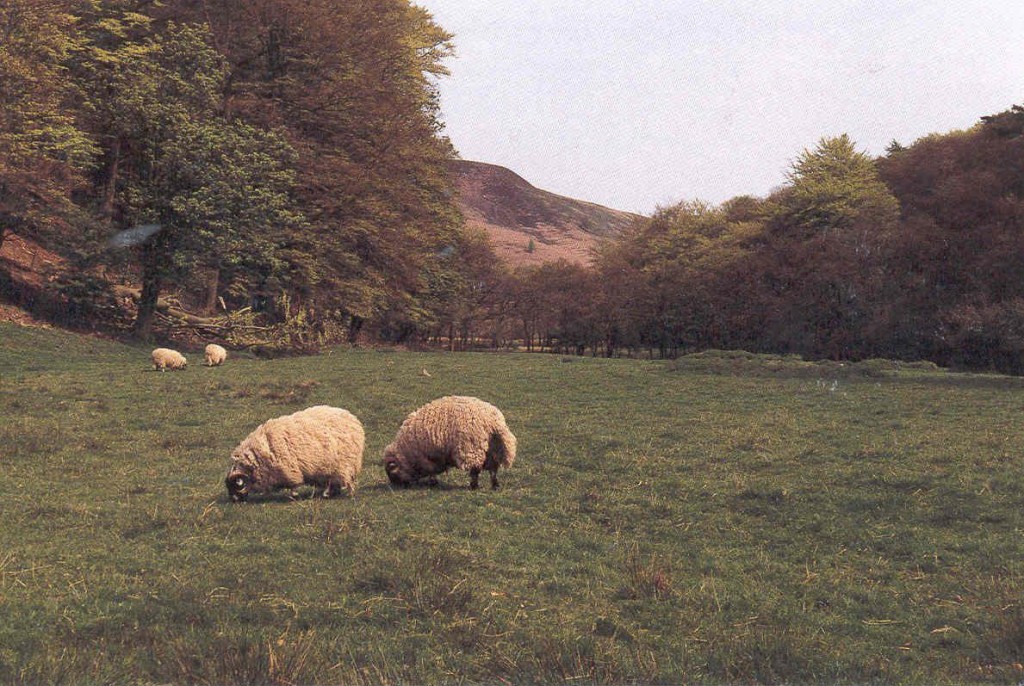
[[513, 212], [24, 266]]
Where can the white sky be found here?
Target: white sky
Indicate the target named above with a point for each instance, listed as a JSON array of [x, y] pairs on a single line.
[[644, 103]]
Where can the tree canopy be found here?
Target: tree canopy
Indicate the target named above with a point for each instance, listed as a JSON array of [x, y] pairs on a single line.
[[43, 152], [288, 149]]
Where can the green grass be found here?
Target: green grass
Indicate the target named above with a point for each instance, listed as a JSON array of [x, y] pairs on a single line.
[[723, 518]]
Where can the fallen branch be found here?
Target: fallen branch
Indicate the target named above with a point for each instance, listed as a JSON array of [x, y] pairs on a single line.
[[176, 316], [200, 323]]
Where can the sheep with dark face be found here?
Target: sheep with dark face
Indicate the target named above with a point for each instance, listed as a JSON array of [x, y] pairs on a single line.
[[321, 446], [454, 431]]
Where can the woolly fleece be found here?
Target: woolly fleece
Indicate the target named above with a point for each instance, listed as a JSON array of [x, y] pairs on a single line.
[[453, 431], [321, 446], [165, 358], [215, 355]]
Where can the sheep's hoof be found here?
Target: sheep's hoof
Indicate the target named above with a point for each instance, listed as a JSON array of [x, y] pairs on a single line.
[[431, 481]]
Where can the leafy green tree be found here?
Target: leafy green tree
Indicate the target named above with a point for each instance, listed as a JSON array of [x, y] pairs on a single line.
[[464, 283], [835, 187], [675, 279], [353, 85], [138, 85], [825, 267], [219, 190], [42, 149]]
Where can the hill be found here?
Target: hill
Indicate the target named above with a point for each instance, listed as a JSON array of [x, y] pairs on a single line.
[[513, 212]]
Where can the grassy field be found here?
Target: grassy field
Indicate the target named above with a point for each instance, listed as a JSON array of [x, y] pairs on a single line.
[[723, 518]]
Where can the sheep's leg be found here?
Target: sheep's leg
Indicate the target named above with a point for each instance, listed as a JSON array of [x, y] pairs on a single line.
[[474, 477], [334, 488], [494, 479]]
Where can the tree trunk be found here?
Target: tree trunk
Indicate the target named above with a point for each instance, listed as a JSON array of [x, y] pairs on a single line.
[[212, 287], [143, 328], [107, 209], [355, 325]]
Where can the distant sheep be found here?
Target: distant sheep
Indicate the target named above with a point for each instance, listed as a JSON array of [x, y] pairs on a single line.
[[215, 355], [454, 431], [321, 446], [165, 358]]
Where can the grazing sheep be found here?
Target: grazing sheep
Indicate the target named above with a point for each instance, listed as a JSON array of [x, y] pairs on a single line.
[[165, 358], [321, 446], [215, 355], [454, 431]]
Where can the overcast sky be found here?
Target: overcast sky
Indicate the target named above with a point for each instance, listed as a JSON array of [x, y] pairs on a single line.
[[635, 104]]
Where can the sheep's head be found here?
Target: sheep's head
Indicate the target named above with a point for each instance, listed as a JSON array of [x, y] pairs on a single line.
[[396, 468], [239, 484]]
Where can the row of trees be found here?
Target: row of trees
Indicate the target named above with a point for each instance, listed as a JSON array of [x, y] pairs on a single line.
[[275, 147], [917, 254], [292, 149]]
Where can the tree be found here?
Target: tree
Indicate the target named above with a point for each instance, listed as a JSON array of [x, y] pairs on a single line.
[[1006, 124], [353, 85], [958, 259], [830, 229], [836, 188], [676, 278], [222, 195], [42, 150], [463, 288], [554, 302], [218, 189]]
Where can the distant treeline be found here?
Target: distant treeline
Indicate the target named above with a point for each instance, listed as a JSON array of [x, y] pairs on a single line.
[[292, 154], [916, 255]]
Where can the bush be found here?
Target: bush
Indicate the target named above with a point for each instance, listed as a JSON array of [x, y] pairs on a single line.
[[81, 299]]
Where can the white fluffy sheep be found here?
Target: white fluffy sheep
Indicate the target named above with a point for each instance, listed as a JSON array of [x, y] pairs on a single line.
[[321, 446], [215, 355], [165, 358], [454, 431]]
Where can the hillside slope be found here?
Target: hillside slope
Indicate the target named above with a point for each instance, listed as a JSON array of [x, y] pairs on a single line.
[[513, 212]]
